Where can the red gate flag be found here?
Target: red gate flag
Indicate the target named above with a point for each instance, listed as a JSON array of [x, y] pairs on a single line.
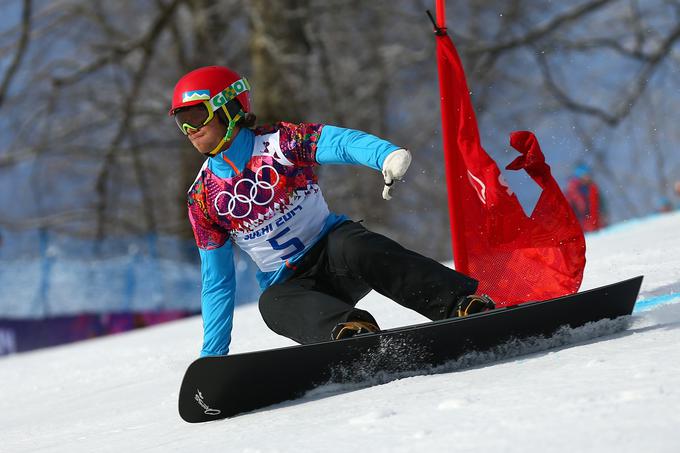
[[515, 258]]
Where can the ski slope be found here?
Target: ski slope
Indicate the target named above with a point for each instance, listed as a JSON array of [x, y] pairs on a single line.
[[617, 393]]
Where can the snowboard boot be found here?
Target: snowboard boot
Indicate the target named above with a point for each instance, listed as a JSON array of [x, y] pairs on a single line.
[[351, 328], [468, 305]]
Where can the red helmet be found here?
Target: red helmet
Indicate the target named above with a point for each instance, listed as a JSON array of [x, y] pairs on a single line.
[[204, 84]]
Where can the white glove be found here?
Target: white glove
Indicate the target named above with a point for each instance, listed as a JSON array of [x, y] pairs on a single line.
[[394, 168]]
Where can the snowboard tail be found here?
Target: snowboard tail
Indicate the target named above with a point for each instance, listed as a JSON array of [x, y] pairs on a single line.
[[224, 386]]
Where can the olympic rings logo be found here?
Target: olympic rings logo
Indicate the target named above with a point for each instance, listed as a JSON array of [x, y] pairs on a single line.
[[239, 200]]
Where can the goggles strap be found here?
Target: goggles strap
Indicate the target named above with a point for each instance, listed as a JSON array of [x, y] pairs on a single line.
[[231, 92]]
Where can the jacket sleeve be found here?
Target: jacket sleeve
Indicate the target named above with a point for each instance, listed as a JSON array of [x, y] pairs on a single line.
[[217, 298], [338, 145], [218, 283]]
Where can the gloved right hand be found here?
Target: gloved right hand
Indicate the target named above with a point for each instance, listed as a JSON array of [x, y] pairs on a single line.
[[394, 168]]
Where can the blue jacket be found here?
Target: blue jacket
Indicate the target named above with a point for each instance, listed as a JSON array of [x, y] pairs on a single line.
[[262, 194]]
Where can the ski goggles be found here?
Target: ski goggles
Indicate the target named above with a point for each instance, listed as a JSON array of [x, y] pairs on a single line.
[[192, 118]]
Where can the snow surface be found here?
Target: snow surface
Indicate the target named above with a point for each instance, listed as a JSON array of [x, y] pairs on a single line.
[[572, 393]]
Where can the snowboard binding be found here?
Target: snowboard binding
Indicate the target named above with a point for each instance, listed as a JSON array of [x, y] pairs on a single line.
[[474, 303], [351, 328]]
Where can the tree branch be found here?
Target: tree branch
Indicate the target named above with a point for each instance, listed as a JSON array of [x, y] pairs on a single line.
[[636, 88], [148, 46], [543, 30], [117, 52], [20, 52]]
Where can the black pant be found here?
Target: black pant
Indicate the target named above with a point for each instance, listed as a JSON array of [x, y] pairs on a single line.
[[342, 268]]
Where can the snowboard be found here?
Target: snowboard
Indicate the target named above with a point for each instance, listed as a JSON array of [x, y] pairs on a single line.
[[223, 386]]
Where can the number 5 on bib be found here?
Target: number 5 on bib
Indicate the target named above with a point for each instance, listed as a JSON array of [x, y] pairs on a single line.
[[296, 243]]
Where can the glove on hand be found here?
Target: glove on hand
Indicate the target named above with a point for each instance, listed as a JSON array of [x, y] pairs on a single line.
[[394, 168]]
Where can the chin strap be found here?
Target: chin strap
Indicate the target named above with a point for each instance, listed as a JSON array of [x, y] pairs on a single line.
[[230, 130], [219, 146]]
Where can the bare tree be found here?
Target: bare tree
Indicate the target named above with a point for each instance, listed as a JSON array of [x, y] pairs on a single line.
[[89, 83]]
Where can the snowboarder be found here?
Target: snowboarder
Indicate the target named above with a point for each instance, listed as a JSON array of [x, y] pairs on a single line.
[[257, 189]]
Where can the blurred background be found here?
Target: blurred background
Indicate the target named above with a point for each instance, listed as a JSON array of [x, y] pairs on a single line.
[[94, 235]]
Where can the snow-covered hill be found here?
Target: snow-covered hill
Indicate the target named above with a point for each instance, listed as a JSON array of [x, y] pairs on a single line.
[[620, 393]]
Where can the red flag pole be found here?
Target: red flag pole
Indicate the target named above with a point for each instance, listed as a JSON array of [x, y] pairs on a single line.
[[441, 13], [452, 159]]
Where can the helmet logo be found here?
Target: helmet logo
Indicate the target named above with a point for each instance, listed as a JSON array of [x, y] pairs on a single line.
[[196, 95], [229, 93]]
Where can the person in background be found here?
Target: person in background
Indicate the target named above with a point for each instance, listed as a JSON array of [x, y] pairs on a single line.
[[585, 199], [664, 204]]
